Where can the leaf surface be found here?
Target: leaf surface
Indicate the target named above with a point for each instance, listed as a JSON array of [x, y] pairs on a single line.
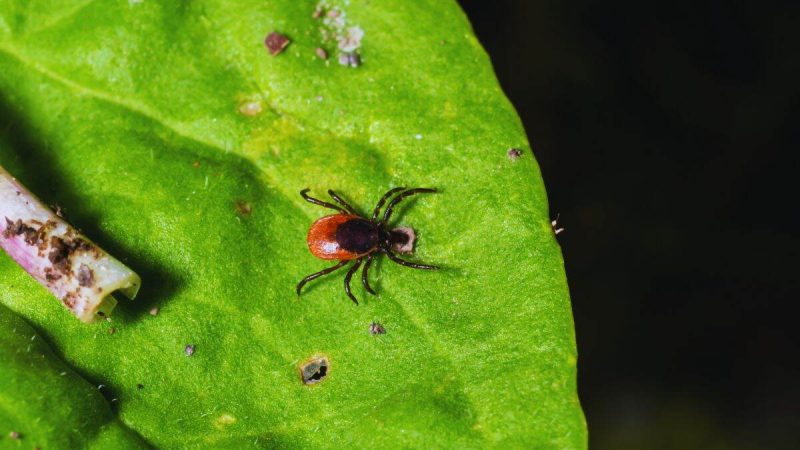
[[173, 138]]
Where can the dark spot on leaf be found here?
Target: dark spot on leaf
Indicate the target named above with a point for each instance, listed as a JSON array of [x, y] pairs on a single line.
[[139, 386], [514, 153], [14, 435], [112, 330], [314, 370], [189, 350], [276, 42], [243, 208], [85, 276], [321, 53], [376, 328]]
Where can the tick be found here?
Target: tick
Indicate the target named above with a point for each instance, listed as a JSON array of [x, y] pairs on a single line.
[[347, 236]]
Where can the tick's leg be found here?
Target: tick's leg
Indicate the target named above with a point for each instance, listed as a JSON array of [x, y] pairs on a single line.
[[346, 205], [322, 272], [320, 202], [403, 262], [347, 278], [383, 200], [388, 213], [365, 276]]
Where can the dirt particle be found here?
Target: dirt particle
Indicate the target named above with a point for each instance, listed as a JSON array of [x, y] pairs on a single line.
[[314, 370], [321, 53], [189, 350], [350, 40], [62, 249], [376, 328], [243, 208], [58, 210], [349, 59], [554, 225], [196, 164], [15, 435], [276, 42], [154, 311], [50, 275], [85, 276], [139, 386], [514, 153], [31, 235]]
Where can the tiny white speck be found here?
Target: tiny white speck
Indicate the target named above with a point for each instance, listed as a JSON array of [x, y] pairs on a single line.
[[417, 136]]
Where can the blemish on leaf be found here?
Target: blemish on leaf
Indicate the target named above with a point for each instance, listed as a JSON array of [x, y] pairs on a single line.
[[314, 370], [154, 311], [251, 108], [196, 164], [321, 53], [15, 435], [276, 42], [139, 386], [112, 330], [514, 153], [189, 350], [376, 328], [224, 420], [243, 208]]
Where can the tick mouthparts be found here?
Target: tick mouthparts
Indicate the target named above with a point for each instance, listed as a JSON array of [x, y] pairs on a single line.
[[403, 239]]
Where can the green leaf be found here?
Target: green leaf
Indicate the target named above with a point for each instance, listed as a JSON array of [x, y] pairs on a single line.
[[173, 139]]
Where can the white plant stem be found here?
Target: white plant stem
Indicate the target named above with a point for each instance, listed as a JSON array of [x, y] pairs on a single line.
[[74, 269]]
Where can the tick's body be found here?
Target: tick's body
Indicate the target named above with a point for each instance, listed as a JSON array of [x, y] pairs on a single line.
[[349, 237], [343, 237]]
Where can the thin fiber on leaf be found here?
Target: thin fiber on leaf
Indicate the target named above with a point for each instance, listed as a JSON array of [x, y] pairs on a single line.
[[174, 138]]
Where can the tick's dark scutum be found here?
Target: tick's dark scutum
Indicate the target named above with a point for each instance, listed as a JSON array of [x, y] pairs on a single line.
[[357, 235]]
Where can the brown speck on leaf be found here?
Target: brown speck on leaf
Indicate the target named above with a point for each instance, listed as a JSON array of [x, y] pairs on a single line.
[[112, 330], [189, 350], [243, 208], [85, 276], [376, 328], [514, 153], [14, 435], [154, 311], [276, 42], [196, 164], [321, 53], [317, 13]]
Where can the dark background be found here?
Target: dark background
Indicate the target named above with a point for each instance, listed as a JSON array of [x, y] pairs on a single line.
[[668, 138]]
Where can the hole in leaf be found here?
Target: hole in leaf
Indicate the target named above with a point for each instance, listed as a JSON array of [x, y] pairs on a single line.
[[314, 370]]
